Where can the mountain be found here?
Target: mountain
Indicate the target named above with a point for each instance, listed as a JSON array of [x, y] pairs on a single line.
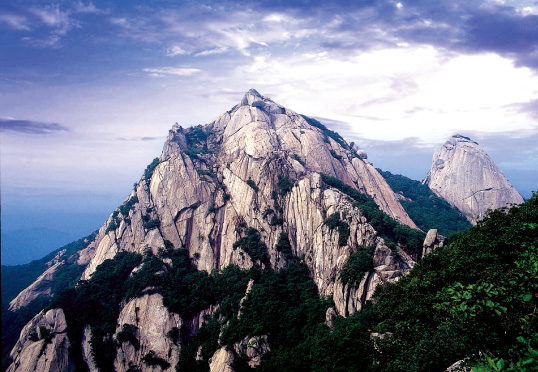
[[463, 174], [261, 190], [251, 242]]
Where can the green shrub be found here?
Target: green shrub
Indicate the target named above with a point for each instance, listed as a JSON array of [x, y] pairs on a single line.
[[252, 245], [327, 132], [205, 172], [267, 212], [153, 360], [150, 168], [128, 334], [335, 155], [151, 224], [173, 334], [386, 226], [284, 185], [276, 221], [252, 184], [334, 221], [128, 205], [196, 136], [298, 158], [425, 208], [283, 245], [358, 263], [114, 222]]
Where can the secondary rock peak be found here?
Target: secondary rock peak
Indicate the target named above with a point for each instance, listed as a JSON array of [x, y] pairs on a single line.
[[252, 98], [460, 138]]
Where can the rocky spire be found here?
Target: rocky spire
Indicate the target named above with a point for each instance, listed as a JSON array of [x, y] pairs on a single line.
[[252, 98], [464, 174]]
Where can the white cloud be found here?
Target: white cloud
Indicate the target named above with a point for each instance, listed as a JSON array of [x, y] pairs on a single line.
[[528, 10], [50, 41], [398, 93], [15, 21], [175, 51], [211, 52], [165, 71], [59, 20], [90, 8]]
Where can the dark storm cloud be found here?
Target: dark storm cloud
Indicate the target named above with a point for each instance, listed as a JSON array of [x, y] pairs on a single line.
[[31, 127], [461, 26]]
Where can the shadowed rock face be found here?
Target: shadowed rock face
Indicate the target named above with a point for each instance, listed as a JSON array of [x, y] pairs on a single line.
[[463, 174]]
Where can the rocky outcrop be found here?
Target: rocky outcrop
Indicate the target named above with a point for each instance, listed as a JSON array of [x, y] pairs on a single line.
[[222, 360], [42, 286], [432, 241], [87, 350], [387, 267], [43, 345], [252, 349], [149, 322], [211, 178], [460, 366], [463, 174]]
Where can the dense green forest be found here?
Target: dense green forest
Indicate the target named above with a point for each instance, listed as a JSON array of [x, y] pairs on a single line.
[[475, 298], [425, 208]]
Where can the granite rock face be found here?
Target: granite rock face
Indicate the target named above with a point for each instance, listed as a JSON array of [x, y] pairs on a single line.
[[463, 174], [231, 170], [43, 345], [42, 286], [150, 321], [258, 165]]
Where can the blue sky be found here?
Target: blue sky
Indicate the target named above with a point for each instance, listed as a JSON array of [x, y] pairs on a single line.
[[89, 89]]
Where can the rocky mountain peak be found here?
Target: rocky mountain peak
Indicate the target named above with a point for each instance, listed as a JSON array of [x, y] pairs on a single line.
[[459, 138], [260, 186], [465, 175], [252, 98]]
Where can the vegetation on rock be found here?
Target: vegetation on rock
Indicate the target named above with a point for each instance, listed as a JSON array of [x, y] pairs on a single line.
[[358, 264], [149, 169], [387, 227], [425, 208], [334, 222]]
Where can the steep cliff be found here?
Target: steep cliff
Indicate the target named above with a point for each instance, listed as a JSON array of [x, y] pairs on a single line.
[[463, 174], [259, 188], [259, 164]]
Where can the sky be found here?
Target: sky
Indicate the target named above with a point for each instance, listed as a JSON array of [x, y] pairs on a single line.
[[89, 89]]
